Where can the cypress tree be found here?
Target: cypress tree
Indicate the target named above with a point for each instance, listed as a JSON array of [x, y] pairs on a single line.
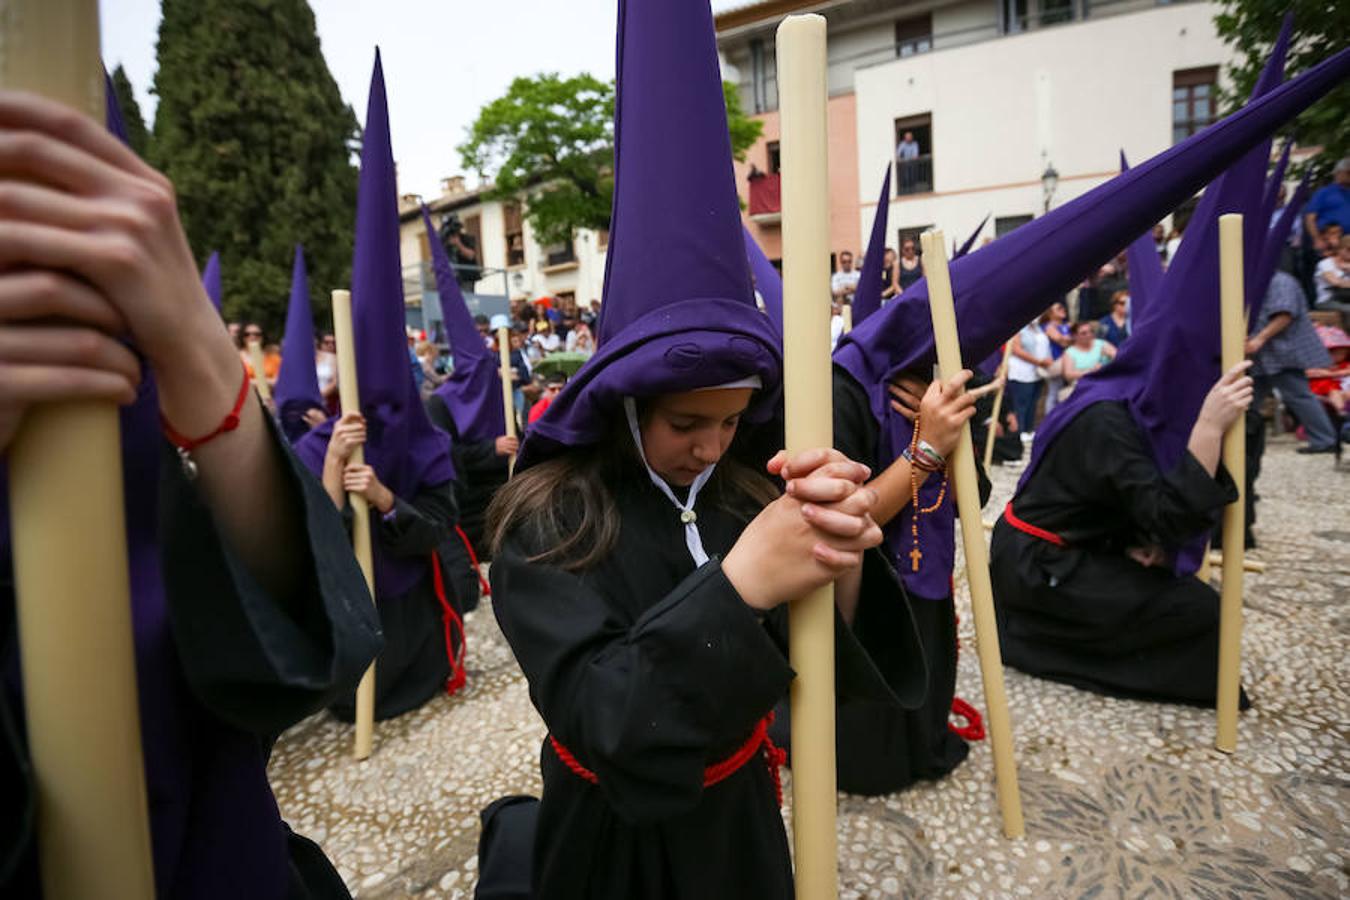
[[257, 139], [137, 135]]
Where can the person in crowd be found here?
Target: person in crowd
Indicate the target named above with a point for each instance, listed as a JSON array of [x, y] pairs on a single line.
[[545, 339], [428, 357], [522, 373], [1030, 357], [844, 281], [248, 616], [889, 275], [1086, 354], [1331, 384], [1159, 235], [911, 266], [581, 340], [1055, 323], [1115, 326], [1330, 205], [406, 474], [906, 153], [643, 559], [836, 323], [252, 333], [325, 367], [1333, 278], [553, 384], [1283, 346]]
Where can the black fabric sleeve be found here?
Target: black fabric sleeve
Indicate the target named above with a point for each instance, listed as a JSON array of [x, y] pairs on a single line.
[[419, 525], [1165, 508], [647, 705], [260, 662], [478, 459], [855, 428], [440, 416]]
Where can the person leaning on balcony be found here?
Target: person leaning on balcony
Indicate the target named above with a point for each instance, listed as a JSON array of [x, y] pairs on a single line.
[[906, 152]]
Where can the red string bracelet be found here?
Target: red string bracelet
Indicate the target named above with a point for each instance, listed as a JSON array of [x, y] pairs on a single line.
[[230, 423]]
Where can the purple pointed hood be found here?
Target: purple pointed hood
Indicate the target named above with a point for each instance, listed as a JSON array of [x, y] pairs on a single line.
[[473, 392], [405, 449], [297, 389], [1007, 284], [867, 300], [211, 279], [679, 313], [1164, 372], [768, 280], [1144, 264], [970, 241], [1276, 240]]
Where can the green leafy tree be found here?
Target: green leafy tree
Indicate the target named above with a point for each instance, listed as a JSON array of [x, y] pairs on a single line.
[[258, 141], [1251, 27], [551, 140], [137, 135]]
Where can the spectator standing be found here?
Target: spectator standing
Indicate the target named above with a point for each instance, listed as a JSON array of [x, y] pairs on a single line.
[[1055, 323], [1115, 325], [890, 286], [1329, 206], [1030, 355], [1283, 347], [911, 266], [1333, 279], [844, 282], [1086, 354], [906, 152], [325, 367]]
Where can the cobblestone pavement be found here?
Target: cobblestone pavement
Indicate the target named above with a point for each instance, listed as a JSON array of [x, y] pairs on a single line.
[[1121, 798]]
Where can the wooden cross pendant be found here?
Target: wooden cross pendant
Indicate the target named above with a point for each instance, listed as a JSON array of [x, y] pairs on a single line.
[[915, 555]]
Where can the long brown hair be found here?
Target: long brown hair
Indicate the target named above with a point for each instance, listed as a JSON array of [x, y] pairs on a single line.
[[569, 510]]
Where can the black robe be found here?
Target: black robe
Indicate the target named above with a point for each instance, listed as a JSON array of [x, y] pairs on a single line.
[[414, 665], [648, 670], [481, 472], [884, 748], [1087, 614], [247, 666]]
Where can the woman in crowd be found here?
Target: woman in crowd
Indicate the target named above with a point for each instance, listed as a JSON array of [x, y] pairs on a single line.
[[911, 266], [1115, 326], [1086, 354], [1055, 323]]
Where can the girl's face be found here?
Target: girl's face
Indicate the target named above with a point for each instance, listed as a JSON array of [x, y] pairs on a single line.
[[1058, 313], [907, 249], [683, 434], [1083, 336]]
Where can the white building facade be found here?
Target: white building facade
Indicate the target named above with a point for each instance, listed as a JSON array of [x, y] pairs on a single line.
[[516, 267], [994, 94]]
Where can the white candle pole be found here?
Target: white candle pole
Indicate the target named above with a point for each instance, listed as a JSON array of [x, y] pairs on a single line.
[[966, 485], [349, 397], [1233, 335], [808, 423], [74, 620]]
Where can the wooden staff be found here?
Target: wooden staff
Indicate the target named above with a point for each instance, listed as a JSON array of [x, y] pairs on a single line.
[[1233, 330], [966, 486], [349, 397], [1256, 567], [998, 406], [255, 359], [74, 621], [508, 396], [808, 418]]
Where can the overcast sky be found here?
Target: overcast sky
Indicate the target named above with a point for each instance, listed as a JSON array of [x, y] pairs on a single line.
[[443, 59]]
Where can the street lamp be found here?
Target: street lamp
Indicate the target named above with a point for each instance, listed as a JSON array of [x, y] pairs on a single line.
[[1049, 181]]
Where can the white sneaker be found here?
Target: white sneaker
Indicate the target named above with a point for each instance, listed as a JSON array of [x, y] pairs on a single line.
[[1028, 437]]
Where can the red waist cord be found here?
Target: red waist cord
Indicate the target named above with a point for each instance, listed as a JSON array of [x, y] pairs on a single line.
[[758, 742]]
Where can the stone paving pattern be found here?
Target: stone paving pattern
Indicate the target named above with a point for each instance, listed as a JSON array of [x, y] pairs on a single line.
[[1122, 798]]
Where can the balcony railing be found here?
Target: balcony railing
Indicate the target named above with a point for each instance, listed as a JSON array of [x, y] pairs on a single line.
[[766, 194], [914, 176]]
